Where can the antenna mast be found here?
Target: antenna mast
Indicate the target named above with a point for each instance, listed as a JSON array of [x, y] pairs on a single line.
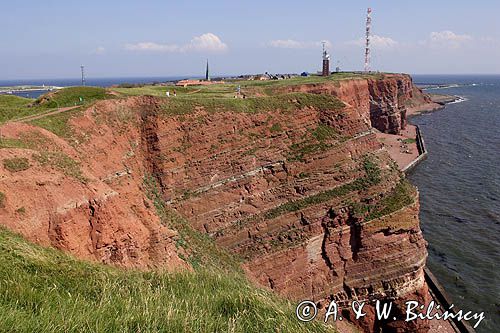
[[368, 32], [83, 74]]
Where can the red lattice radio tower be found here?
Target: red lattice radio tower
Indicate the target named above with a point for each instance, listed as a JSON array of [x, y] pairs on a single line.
[[367, 47]]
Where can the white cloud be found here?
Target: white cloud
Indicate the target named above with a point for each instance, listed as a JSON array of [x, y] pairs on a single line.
[[150, 46], [447, 38], [294, 44], [206, 42], [99, 50], [378, 42]]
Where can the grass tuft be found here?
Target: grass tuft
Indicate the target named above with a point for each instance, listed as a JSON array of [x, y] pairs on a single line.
[[62, 162], [16, 164]]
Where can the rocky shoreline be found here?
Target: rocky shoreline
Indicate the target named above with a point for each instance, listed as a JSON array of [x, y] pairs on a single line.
[[437, 102]]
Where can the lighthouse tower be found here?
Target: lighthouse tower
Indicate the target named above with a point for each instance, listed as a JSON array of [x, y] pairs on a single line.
[[326, 62]]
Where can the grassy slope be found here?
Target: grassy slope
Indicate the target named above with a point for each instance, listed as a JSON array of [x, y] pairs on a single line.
[[72, 96], [14, 107], [44, 290]]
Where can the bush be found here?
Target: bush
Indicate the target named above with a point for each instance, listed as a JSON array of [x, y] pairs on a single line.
[[16, 164]]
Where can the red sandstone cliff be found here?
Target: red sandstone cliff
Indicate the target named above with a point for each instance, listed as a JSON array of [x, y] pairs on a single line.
[[314, 205], [387, 99]]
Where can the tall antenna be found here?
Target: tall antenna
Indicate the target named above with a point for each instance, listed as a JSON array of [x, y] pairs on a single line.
[[83, 74], [368, 32]]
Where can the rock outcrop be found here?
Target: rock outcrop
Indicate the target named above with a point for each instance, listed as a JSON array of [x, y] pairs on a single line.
[[387, 98], [304, 194]]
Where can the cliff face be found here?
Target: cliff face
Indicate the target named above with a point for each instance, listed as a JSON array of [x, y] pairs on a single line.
[[302, 192], [384, 101], [84, 198]]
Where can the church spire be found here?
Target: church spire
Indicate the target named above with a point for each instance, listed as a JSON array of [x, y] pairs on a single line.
[[207, 76]]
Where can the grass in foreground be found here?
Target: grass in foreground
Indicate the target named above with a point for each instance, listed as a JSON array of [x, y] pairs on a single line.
[[44, 290], [12, 107]]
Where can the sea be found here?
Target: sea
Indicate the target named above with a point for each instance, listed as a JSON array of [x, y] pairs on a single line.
[[459, 186]]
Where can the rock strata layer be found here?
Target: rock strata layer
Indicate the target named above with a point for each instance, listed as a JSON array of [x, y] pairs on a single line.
[[305, 195]]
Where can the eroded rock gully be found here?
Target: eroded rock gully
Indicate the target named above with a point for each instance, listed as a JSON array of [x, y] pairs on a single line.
[[297, 205]]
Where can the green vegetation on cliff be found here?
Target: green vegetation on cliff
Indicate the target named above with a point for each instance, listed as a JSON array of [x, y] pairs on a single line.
[[16, 164], [285, 102], [71, 96], [12, 107], [45, 290]]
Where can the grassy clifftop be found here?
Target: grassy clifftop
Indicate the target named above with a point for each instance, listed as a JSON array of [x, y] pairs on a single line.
[[44, 290]]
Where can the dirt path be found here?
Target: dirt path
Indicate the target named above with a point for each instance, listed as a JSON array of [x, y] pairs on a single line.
[[38, 116]]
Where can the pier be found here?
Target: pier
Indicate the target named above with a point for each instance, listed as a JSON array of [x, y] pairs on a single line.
[[21, 89]]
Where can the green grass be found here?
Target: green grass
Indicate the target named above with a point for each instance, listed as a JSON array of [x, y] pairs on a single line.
[[276, 128], [62, 162], [372, 177], [403, 195], [29, 140], [225, 90], [201, 249], [409, 141], [285, 102], [324, 132], [12, 143], [12, 107], [44, 290], [16, 164], [57, 123], [72, 96], [228, 89], [320, 140], [271, 87]]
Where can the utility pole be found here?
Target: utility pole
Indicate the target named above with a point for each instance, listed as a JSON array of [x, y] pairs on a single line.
[[83, 74], [368, 31]]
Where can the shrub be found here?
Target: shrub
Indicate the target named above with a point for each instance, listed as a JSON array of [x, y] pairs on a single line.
[[16, 164]]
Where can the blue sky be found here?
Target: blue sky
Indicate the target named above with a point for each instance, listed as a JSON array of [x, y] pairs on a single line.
[[50, 39]]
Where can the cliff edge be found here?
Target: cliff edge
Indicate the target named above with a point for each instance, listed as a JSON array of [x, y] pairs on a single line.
[[290, 179]]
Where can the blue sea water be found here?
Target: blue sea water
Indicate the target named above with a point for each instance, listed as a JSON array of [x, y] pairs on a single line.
[[459, 188]]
